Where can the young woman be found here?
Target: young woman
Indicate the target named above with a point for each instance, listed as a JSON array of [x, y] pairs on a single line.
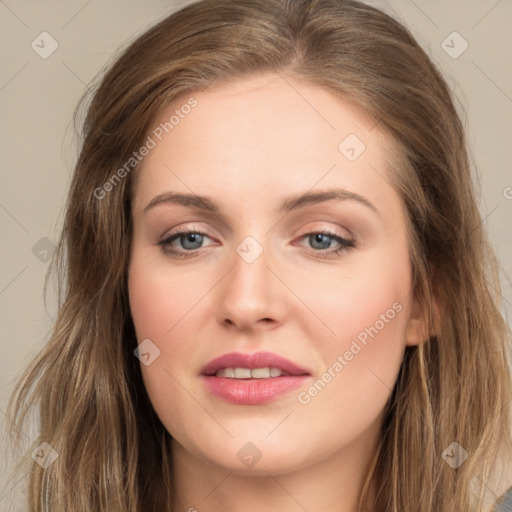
[[277, 291]]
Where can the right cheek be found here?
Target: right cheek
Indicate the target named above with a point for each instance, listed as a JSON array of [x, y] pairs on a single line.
[[165, 395], [142, 294]]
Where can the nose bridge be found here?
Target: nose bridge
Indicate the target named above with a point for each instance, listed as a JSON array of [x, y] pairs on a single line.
[[251, 292], [250, 274]]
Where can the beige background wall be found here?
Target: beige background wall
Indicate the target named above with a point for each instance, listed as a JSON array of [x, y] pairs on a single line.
[[38, 95]]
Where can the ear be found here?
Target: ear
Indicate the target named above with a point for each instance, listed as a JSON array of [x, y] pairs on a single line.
[[418, 330]]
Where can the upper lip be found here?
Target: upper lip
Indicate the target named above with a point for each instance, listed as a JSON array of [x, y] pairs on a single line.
[[256, 360]]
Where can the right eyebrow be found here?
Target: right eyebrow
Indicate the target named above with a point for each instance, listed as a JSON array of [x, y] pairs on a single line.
[[191, 200]]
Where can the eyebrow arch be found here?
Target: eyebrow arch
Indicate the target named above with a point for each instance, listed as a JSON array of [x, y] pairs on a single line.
[[291, 203], [191, 200], [307, 198]]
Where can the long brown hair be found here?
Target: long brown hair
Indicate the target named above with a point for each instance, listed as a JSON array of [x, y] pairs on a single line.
[[113, 452]]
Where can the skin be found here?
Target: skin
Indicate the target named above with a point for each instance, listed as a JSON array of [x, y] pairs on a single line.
[[248, 145]]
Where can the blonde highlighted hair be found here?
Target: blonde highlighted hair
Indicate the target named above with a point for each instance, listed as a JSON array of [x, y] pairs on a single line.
[[86, 385]]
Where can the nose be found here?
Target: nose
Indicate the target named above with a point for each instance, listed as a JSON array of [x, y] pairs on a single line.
[[253, 295]]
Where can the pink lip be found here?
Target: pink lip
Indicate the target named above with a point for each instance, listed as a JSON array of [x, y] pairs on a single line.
[[252, 391]]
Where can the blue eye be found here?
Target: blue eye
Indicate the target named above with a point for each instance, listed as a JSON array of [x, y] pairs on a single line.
[[191, 241], [322, 240]]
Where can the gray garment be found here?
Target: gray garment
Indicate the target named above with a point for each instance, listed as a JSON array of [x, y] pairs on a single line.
[[505, 502]]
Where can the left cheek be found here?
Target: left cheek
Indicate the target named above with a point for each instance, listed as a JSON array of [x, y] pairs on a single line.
[[352, 306], [368, 320], [365, 364]]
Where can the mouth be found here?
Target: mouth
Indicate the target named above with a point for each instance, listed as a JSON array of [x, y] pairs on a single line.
[[252, 379], [259, 365], [267, 372]]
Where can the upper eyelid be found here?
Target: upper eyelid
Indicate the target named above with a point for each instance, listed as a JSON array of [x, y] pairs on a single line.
[[194, 226], [193, 229], [185, 230]]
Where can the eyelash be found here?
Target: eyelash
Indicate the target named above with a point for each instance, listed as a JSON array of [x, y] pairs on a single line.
[[346, 244]]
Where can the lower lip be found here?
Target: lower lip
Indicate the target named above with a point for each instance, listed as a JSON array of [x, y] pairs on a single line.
[[253, 391]]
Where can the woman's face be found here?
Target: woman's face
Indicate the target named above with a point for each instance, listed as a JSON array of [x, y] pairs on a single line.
[[267, 166]]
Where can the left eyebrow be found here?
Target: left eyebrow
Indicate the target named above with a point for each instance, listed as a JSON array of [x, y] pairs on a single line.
[[308, 198], [291, 203]]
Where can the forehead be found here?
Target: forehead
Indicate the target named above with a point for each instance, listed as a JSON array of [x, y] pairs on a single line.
[[265, 130]]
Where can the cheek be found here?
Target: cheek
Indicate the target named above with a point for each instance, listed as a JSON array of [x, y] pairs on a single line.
[[360, 364], [159, 303], [164, 304], [370, 293], [158, 298], [366, 313]]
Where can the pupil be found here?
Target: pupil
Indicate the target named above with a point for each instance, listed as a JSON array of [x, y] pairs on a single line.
[[321, 239], [192, 238]]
